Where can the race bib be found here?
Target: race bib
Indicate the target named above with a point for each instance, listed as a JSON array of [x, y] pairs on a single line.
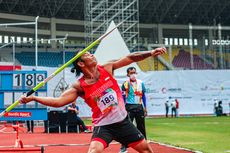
[[107, 101]]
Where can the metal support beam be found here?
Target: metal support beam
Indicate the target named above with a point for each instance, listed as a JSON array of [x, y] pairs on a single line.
[[221, 59], [100, 13], [191, 45], [36, 42]]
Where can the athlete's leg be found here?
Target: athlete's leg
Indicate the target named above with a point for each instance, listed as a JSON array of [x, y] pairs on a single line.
[[96, 147], [101, 138], [142, 147]]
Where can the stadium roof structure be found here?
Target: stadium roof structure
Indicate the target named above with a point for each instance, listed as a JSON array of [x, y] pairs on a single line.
[[197, 12]]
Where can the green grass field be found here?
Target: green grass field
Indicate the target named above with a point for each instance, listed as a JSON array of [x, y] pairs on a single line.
[[206, 134]]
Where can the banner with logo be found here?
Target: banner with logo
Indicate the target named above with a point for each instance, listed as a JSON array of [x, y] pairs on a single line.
[[196, 90]]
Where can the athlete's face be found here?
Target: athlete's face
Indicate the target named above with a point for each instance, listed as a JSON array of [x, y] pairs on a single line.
[[89, 59]]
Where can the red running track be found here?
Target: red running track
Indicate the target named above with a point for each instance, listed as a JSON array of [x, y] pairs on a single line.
[[78, 143]]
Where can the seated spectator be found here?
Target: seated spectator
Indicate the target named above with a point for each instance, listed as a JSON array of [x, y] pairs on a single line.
[[75, 109], [220, 108], [215, 109]]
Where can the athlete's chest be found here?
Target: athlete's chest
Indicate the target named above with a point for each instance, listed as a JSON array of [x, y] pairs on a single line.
[[100, 87], [102, 95]]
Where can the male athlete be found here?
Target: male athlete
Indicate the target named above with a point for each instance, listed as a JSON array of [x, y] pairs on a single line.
[[101, 92]]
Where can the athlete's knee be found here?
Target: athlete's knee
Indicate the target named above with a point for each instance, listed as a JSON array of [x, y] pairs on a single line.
[[96, 147], [143, 147], [146, 148], [95, 150]]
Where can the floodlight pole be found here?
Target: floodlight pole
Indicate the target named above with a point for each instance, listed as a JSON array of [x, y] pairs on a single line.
[[16, 24], [5, 45]]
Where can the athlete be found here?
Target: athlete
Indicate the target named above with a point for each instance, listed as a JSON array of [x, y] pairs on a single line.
[[101, 92]]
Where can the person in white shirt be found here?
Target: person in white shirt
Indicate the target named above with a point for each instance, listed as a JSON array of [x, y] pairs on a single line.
[[167, 105]]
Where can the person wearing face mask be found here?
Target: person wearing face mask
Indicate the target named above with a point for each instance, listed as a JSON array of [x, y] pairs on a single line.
[[135, 101]]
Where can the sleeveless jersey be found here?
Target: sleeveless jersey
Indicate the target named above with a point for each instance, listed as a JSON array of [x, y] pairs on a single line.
[[104, 98]]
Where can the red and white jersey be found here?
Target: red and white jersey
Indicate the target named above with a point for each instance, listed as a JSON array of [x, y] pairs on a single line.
[[105, 99]]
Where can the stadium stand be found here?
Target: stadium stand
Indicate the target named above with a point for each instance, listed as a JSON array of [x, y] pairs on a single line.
[[27, 58], [182, 60]]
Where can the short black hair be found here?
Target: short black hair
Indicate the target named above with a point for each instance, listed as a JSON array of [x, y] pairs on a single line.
[[76, 69], [130, 68]]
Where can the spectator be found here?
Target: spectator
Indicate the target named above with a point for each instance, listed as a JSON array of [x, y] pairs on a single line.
[[215, 109], [167, 108], [30, 126], [219, 109], [75, 109], [177, 108], [173, 107], [135, 101]]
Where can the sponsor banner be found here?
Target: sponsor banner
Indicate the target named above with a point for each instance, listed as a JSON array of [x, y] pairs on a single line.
[[196, 90], [18, 114], [22, 114]]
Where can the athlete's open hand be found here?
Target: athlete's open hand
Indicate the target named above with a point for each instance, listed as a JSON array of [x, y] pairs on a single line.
[[158, 51], [24, 99]]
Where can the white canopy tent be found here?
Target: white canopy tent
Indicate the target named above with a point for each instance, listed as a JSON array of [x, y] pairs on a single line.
[[113, 47]]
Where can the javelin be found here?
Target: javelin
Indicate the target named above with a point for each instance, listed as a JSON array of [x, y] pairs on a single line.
[[41, 84]]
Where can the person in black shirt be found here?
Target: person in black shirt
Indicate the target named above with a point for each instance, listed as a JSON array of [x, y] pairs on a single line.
[[75, 109]]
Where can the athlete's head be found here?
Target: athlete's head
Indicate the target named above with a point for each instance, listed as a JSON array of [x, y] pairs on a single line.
[[87, 60]]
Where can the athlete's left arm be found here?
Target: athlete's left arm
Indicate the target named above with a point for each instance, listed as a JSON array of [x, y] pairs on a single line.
[[135, 57]]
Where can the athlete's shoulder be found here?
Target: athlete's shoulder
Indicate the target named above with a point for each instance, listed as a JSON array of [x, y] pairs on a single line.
[[77, 85], [108, 67]]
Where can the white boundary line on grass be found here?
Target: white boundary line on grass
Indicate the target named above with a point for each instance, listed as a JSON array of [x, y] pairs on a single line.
[[171, 146]]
